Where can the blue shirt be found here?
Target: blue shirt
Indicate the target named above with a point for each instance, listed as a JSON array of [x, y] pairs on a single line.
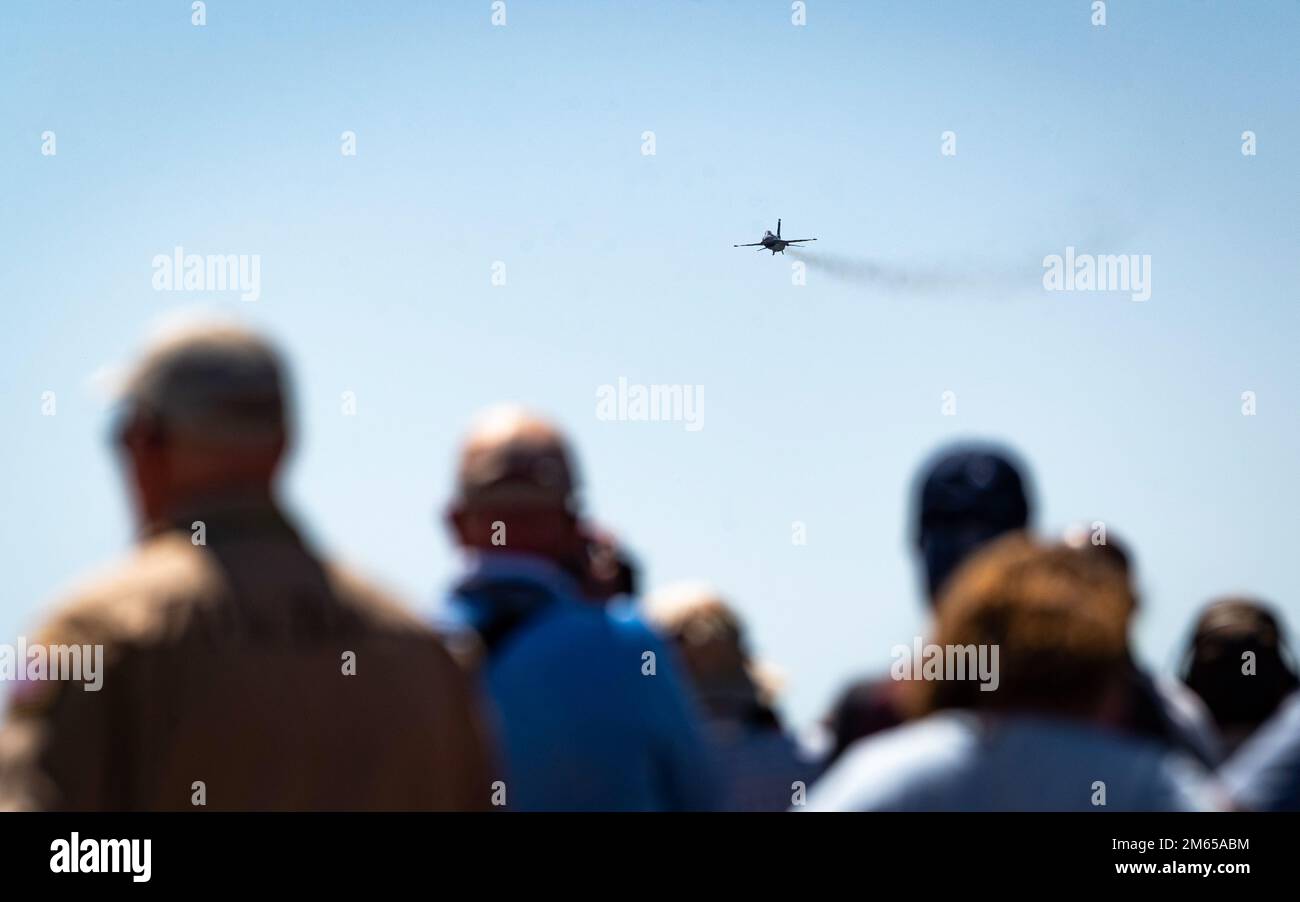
[[762, 767], [590, 713]]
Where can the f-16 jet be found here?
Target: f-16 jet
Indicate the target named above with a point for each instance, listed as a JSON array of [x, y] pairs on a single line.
[[775, 243]]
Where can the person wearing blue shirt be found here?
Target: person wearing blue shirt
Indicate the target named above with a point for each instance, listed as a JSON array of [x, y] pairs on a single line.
[[589, 711]]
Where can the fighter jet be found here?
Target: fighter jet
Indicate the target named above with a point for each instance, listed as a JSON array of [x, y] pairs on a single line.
[[775, 243]]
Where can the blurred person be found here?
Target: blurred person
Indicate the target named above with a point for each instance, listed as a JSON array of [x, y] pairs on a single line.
[[1238, 664], [1095, 538], [589, 709], [1158, 707], [966, 496], [241, 671], [758, 760], [1043, 737], [1263, 774]]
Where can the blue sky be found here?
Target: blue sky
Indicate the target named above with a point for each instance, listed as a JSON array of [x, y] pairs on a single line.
[[522, 144]]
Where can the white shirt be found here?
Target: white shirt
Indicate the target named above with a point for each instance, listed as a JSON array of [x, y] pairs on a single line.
[[961, 761]]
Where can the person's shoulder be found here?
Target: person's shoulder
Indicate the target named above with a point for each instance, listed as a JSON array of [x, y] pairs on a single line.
[[378, 619], [376, 608], [928, 742], [584, 620], [141, 599], [582, 636], [1140, 773], [885, 770], [1264, 773], [1152, 776], [625, 623], [1275, 741], [631, 638], [1184, 784]]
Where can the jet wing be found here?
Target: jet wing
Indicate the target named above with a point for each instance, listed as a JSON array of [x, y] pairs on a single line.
[[797, 240], [757, 244]]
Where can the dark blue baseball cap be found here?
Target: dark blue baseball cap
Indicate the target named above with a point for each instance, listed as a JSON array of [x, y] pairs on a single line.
[[969, 495]]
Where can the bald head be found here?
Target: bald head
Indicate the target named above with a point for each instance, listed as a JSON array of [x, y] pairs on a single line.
[[203, 412], [516, 488], [515, 459]]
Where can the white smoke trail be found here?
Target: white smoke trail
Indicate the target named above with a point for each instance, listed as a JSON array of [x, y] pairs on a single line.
[[904, 279]]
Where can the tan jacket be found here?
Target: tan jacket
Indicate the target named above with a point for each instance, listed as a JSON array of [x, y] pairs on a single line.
[[224, 664]]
